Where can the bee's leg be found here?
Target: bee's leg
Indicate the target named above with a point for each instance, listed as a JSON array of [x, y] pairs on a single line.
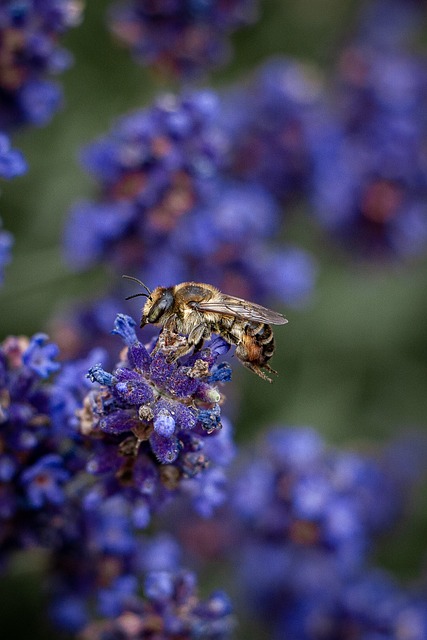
[[256, 369], [194, 340], [196, 336], [249, 353], [199, 345], [267, 366], [165, 335], [179, 352]]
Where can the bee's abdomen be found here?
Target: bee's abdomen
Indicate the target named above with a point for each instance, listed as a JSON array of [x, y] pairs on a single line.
[[262, 333], [262, 341]]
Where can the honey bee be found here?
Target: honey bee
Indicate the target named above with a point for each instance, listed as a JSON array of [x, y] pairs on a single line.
[[197, 310]]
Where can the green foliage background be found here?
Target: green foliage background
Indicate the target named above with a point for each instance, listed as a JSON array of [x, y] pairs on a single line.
[[353, 363]]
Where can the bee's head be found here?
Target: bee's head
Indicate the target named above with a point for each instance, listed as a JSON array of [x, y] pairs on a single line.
[[158, 303]]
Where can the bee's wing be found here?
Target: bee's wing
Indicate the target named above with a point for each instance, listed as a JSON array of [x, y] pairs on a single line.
[[230, 306]]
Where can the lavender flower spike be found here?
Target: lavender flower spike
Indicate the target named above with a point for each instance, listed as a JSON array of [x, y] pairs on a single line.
[[150, 419]]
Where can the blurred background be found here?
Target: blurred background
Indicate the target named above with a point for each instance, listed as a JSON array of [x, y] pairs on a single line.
[[352, 361]]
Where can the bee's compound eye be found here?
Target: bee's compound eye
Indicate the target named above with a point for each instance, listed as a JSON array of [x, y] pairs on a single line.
[[164, 303]]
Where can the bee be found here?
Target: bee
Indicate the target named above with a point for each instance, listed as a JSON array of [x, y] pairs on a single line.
[[197, 310]]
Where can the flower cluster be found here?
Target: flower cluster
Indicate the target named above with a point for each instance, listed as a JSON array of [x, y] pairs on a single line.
[[299, 492], [32, 471], [308, 516], [138, 589], [150, 430], [82, 469], [180, 37], [274, 121], [319, 602], [42, 458], [153, 422], [371, 604], [30, 54], [370, 182], [154, 167]]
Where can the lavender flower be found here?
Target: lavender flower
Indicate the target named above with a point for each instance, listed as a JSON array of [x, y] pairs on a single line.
[[181, 37], [172, 608], [149, 420], [370, 179], [30, 54], [154, 167], [44, 481], [146, 430], [157, 596], [369, 605], [273, 120], [42, 457], [32, 474], [70, 388], [308, 516], [299, 492]]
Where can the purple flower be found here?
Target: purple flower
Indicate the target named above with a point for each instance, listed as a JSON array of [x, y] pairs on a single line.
[[124, 326], [131, 583], [305, 516], [44, 481], [30, 53], [370, 185], [102, 224], [120, 594], [40, 452], [39, 354], [181, 37], [71, 385], [69, 612], [154, 167], [368, 605], [152, 418], [159, 585], [163, 422], [170, 603], [110, 524], [39, 101], [300, 492], [289, 274], [273, 121]]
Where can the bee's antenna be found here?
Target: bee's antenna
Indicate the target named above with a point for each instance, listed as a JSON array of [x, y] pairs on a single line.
[[135, 295]]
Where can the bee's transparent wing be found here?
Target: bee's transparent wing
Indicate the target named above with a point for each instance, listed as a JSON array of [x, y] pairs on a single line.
[[230, 306]]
